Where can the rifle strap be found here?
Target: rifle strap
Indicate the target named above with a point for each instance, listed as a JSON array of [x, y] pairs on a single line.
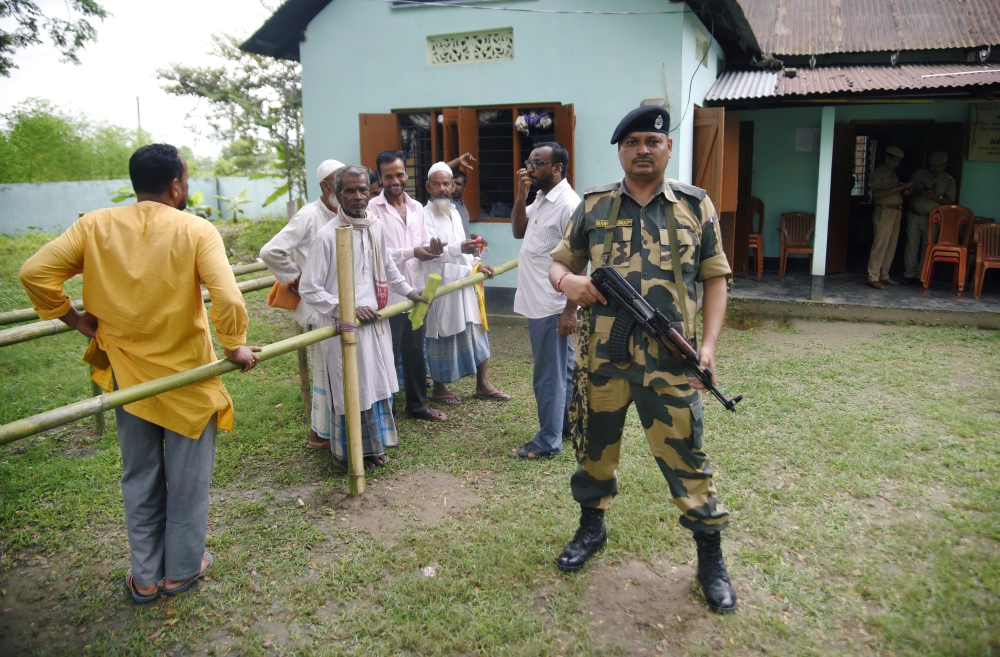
[[609, 230], [675, 261]]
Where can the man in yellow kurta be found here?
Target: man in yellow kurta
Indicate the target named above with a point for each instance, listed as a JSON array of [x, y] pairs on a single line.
[[142, 267]]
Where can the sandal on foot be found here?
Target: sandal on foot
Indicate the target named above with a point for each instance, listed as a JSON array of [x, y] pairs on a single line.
[[191, 580], [431, 415], [526, 452], [451, 399], [323, 445], [496, 395], [372, 462], [138, 597]]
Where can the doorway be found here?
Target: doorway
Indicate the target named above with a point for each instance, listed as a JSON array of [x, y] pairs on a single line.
[[859, 148]]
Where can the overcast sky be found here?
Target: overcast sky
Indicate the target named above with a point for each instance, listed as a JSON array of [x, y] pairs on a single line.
[[139, 37]]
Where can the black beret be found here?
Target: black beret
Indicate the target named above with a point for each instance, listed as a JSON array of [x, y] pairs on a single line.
[[651, 118]]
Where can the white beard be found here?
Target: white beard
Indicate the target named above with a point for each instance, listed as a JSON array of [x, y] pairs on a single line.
[[331, 198], [442, 207]]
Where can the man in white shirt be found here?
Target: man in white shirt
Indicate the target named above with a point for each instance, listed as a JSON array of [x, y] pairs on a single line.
[[375, 276], [551, 316], [284, 255], [457, 343], [408, 244]]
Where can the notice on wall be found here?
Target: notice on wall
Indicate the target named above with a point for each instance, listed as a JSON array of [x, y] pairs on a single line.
[[984, 134], [807, 140]]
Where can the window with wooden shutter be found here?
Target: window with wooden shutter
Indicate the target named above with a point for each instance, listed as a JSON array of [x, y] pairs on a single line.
[[501, 138]]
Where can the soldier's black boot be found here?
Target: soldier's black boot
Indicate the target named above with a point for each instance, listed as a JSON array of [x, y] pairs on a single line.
[[712, 574], [589, 538]]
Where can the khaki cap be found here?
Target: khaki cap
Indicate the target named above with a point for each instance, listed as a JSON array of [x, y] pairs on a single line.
[[937, 158], [895, 151]]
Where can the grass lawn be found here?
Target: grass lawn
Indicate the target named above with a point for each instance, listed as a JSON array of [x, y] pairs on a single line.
[[862, 470]]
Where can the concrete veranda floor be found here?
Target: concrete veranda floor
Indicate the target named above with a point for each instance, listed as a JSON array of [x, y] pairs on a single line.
[[847, 296]]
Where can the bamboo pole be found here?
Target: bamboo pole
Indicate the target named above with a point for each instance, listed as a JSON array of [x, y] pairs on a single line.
[[349, 350], [29, 314], [95, 391], [36, 330], [56, 417]]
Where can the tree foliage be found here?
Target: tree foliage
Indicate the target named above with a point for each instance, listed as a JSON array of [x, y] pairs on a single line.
[[69, 34], [254, 104], [41, 143]]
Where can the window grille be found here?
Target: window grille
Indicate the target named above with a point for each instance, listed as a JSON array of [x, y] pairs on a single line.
[[864, 158], [470, 47]]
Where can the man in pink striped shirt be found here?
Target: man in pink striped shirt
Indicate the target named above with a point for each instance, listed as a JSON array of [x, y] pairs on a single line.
[[408, 243]]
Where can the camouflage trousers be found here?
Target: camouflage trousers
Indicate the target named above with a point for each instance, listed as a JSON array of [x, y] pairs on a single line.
[[673, 421]]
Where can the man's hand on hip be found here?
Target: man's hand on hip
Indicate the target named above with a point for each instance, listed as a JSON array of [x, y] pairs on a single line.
[[245, 356], [83, 322]]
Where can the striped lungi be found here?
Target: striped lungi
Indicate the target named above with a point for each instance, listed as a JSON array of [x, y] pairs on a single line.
[[456, 356], [322, 405], [378, 431]]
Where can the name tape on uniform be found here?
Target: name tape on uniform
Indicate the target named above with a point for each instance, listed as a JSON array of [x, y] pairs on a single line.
[[622, 223]]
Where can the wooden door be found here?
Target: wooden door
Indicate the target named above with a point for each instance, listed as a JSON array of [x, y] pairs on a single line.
[[708, 154], [744, 218], [950, 138], [378, 133], [709, 168], [468, 142], [730, 183], [450, 125], [565, 127], [841, 184]]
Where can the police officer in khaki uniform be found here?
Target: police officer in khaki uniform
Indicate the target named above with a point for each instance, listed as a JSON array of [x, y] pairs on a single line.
[[663, 237], [931, 187], [888, 196]]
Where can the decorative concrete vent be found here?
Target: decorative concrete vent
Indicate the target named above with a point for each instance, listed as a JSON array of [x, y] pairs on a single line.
[[485, 45]]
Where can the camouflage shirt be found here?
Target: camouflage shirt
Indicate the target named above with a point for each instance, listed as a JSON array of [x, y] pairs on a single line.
[[641, 253]]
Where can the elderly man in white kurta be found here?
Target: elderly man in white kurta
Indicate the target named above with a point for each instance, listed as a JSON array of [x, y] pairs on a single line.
[[457, 343], [374, 275], [284, 255]]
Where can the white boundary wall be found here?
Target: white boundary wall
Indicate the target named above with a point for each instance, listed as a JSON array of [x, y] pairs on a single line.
[[53, 206]]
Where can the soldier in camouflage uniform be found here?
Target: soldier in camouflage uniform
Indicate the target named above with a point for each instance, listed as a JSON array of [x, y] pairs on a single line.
[[642, 212]]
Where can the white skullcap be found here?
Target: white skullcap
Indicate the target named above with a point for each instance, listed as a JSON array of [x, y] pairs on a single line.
[[325, 168], [440, 166]]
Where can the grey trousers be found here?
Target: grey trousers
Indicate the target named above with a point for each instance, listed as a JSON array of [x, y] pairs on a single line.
[[552, 380], [916, 244], [165, 480]]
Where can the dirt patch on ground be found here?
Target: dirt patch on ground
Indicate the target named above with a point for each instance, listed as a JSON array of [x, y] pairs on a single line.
[[800, 336], [637, 608], [423, 498]]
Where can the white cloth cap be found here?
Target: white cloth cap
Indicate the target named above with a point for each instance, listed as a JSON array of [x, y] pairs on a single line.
[[440, 166], [325, 168]]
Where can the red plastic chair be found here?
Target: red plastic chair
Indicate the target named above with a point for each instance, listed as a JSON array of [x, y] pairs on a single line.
[[987, 254], [796, 232], [954, 223], [756, 242]]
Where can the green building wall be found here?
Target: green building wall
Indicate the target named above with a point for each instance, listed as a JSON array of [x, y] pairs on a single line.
[[786, 180], [363, 56]]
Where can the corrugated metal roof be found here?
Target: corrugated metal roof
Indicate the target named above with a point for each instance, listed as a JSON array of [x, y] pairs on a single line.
[[815, 27], [737, 85], [740, 85]]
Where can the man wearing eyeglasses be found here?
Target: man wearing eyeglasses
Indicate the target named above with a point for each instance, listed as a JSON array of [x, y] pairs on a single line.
[[551, 316]]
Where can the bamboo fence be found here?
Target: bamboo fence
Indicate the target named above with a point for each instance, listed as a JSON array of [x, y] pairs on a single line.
[[29, 314], [56, 417], [37, 330]]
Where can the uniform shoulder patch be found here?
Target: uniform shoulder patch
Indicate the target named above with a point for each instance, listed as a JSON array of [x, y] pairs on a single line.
[[689, 190], [610, 187]]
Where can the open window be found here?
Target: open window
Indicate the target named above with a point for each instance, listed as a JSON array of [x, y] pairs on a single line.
[[501, 138]]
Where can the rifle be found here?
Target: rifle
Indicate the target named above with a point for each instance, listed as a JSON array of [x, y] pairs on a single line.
[[630, 308]]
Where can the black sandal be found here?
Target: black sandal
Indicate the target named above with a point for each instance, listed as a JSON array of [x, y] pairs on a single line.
[[525, 452]]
